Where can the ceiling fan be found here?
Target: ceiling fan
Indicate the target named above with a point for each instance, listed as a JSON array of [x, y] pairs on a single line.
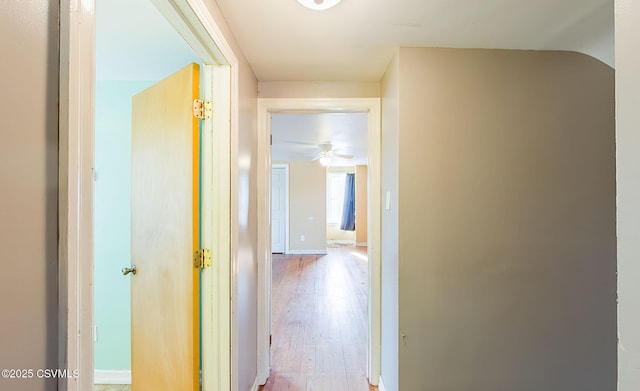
[[325, 153]]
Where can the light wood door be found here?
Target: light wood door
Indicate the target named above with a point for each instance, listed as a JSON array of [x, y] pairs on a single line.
[[164, 234], [278, 209]]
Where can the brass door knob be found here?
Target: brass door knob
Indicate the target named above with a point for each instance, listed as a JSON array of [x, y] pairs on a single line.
[[128, 270]]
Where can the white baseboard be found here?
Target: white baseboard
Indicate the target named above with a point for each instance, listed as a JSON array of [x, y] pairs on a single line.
[[308, 252], [111, 377], [381, 385], [340, 242], [361, 244]]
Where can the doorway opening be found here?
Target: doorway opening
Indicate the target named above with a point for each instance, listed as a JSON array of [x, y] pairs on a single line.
[[319, 281], [127, 63], [308, 231], [191, 21]]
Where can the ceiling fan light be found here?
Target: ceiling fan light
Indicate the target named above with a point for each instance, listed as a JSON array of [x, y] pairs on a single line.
[[319, 5], [325, 160]]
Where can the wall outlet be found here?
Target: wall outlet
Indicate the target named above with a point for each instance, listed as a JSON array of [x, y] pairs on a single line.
[[302, 238]]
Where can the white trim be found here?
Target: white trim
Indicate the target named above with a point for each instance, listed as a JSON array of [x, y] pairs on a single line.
[[307, 252], [216, 284], [255, 385], [75, 197], [75, 248], [381, 385], [361, 244], [112, 377], [340, 242], [351, 105]]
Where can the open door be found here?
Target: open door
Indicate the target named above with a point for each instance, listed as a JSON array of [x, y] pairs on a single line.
[[165, 327]]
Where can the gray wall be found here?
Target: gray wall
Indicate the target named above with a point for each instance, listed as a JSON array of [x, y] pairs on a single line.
[[246, 294], [628, 138], [28, 173], [507, 247], [389, 248]]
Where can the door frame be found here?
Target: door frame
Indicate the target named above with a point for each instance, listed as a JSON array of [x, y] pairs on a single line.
[[267, 106], [286, 203], [193, 20]]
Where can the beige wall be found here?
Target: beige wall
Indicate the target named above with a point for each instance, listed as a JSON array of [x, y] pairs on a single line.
[[335, 233], [361, 204], [307, 206], [28, 173], [318, 89], [507, 277], [628, 168], [246, 294]]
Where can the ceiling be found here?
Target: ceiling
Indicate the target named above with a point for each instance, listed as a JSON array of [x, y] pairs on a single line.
[[356, 39], [298, 136]]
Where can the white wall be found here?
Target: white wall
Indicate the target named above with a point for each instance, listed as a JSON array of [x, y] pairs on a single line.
[[628, 168], [29, 178], [318, 89]]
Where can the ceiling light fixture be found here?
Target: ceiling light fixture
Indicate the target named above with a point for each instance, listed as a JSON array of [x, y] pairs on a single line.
[[325, 160], [319, 5]]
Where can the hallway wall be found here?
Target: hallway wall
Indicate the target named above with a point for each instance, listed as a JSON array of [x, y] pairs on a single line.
[[389, 227], [29, 176], [506, 233]]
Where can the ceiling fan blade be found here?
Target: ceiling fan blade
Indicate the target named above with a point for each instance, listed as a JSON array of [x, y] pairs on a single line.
[[342, 156], [295, 142]]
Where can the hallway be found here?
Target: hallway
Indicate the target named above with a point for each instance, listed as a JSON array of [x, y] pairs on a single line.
[[319, 321]]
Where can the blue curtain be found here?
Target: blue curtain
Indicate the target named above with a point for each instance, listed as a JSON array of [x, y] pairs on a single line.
[[349, 208]]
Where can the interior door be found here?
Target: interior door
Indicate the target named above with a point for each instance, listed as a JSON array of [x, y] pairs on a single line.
[[278, 212], [165, 312]]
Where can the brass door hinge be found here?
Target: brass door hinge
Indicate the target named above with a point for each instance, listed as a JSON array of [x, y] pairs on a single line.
[[202, 258], [202, 109]]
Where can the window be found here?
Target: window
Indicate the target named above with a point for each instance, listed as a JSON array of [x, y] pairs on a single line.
[[335, 196]]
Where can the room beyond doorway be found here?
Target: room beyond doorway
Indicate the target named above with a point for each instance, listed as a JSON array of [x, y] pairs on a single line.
[[319, 317], [267, 107]]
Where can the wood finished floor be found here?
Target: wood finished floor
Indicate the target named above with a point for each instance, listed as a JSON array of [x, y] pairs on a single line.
[[319, 314], [111, 387]]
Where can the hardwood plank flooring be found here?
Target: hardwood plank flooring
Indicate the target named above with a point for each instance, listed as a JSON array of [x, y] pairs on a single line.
[[319, 322], [112, 387]]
